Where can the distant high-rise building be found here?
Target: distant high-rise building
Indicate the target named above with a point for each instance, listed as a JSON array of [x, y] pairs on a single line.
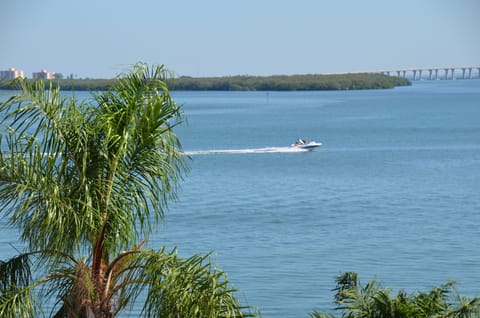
[[43, 74], [11, 73]]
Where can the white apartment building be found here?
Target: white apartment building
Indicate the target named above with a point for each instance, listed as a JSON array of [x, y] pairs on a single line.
[[43, 74], [11, 73]]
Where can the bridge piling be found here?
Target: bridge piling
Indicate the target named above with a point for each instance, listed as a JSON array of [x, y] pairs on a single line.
[[467, 72]]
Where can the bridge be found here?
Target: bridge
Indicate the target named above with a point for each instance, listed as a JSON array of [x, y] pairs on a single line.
[[435, 73]]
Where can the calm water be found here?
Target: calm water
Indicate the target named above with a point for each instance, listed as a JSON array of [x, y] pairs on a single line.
[[393, 192]]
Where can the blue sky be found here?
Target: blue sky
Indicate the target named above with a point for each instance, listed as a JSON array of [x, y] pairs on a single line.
[[101, 38]]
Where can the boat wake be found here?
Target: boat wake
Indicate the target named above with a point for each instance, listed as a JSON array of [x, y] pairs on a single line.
[[245, 151]]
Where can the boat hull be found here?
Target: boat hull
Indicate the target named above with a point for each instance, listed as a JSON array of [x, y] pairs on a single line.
[[310, 146]]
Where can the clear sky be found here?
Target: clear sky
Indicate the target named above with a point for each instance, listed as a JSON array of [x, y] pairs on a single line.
[[101, 38]]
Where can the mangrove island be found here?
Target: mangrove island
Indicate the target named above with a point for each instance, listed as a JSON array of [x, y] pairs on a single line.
[[306, 82]]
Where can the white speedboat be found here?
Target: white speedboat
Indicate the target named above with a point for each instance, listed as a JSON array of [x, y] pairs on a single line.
[[303, 144]]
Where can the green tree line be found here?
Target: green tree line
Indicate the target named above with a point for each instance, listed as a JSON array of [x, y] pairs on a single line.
[[308, 82], [70, 84]]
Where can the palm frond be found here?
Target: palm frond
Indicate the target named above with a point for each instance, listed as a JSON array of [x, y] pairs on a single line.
[[15, 272], [144, 161], [317, 314], [190, 287], [94, 179], [176, 287], [16, 297], [39, 167], [374, 301]]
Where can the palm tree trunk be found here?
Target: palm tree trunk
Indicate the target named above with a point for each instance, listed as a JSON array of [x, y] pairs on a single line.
[[87, 312]]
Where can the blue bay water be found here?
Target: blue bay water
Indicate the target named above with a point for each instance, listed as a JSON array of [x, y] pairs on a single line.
[[393, 192]]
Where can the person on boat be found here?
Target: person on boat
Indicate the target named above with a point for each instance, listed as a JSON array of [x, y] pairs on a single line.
[[300, 142]]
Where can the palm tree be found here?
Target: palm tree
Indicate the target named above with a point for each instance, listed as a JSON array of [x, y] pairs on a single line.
[[86, 183], [375, 301]]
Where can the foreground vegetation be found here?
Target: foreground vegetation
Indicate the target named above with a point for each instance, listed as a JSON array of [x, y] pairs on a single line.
[[248, 83], [375, 301], [86, 184]]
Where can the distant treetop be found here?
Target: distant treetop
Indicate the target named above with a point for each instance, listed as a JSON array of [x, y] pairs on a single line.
[[308, 82]]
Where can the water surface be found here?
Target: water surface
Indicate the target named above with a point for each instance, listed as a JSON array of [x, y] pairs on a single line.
[[392, 193]]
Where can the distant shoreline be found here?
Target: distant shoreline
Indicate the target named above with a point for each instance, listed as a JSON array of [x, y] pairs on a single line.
[[308, 82]]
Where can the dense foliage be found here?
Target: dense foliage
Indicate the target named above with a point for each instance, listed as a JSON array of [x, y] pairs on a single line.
[[86, 183], [70, 84], [291, 83], [373, 300], [251, 83]]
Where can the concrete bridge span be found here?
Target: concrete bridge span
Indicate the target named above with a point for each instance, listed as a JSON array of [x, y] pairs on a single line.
[[435, 73]]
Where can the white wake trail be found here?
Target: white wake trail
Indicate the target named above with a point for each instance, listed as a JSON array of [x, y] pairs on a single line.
[[245, 151]]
